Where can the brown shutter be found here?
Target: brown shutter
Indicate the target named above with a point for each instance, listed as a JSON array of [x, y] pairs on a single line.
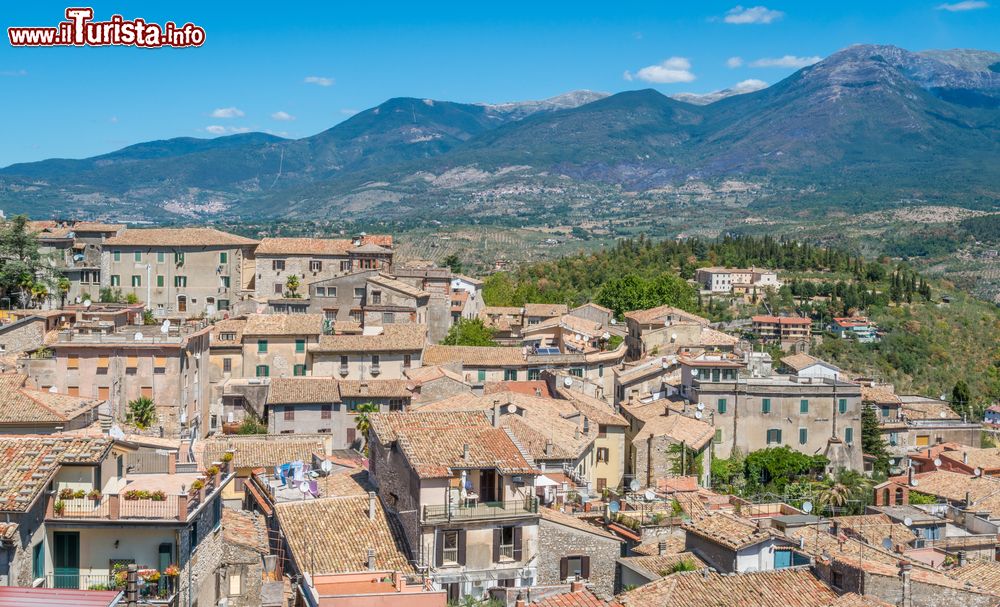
[[563, 568], [517, 544], [585, 567], [497, 538], [461, 547], [439, 549]]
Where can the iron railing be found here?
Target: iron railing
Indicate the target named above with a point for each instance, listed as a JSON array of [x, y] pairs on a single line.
[[482, 510]]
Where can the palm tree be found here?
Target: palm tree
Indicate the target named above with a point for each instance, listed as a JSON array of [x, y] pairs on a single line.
[[63, 285], [292, 284], [363, 422], [848, 491], [39, 292]]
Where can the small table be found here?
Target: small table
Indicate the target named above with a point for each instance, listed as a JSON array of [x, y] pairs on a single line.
[[471, 499]]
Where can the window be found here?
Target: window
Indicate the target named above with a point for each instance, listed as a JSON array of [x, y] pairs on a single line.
[[359, 292], [161, 256], [261, 346], [343, 361], [849, 435], [576, 372], [803, 436], [223, 257], [407, 361], [576, 567], [345, 266], [717, 439], [356, 315], [774, 436], [279, 288], [721, 405], [449, 543], [299, 370], [235, 581], [326, 411], [482, 375], [376, 297], [180, 281], [300, 345], [505, 549], [263, 371], [330, 291], [603, 454], [146, 391], [117, 255], [224, 282], [159, 280], [315, 265], [765, 405], [510, 374], [375, 361], [600, 370], [116, 280], [320, 291], [38, 560], [136, 280], [179, 257], [289, 414], [278, 265], [804, 406], [396, 404], [227, 365], [223, 304], [534, 374], [602, 430], [388, 318], [842, 406], [159, 364]]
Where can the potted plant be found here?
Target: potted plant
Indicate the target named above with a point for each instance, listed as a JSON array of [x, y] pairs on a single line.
[[197, 485], [172, 570], [212, 470], [95, 494], [66, 494], [158, 496], [79, 494], [59, 507]]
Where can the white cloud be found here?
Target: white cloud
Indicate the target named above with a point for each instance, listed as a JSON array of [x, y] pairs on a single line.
[[319, 80], [227, 112], [753, 14], [749, 86], [734, 62], [113, 120], [786, 61], [674, 69], [13, 73], [348, 111], [282, 116], [965, 5], [216, 129]]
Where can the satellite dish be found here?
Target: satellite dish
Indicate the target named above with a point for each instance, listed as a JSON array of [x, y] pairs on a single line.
[[605, 336], [77, 299], [138, 336], [943, 414], [887, 543], [701, 406], [908, 521], [511, 408], [52, 390], [116, 433], [698, 414], [978, 471], [614, 507], [807, 507], [634, 484], [649, 495], [937, 462], [664, 364], [87, 303], [304, 488], [568, 381], [326, 466], [914, 483]]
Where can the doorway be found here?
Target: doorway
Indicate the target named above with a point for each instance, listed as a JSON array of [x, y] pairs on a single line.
[[66, 559]]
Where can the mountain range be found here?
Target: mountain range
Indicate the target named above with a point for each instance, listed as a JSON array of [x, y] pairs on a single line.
[[867, 125]]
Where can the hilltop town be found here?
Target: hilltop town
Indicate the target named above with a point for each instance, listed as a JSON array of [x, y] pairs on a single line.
[[190, 416]]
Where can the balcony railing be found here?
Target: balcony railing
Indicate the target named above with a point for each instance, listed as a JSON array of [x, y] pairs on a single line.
[[482, 510], [150, 593]]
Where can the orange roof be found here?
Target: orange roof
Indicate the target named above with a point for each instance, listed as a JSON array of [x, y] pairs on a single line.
[[783, 320]]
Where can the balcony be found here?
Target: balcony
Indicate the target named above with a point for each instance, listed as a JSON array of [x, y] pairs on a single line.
[[159, 592], [480, 511]]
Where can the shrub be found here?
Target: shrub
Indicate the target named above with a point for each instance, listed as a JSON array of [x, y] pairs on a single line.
[[142, 412], [66, 494], [95, 494], [227, 456], [212, 470], [197, 485], [158, 496]]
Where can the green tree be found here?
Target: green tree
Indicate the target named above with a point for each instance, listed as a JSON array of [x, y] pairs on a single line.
[[63, 285], [251, 425], [469, 332], [453, 262], [872, 442], [22, 266], [292, 284], [961, 398], [142, 412], [362, 421], [685, 461], [846, 493]]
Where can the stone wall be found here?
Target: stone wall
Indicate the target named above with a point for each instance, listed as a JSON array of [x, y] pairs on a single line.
[[26, 334], [250, 567], [556, 541], [200, 568]]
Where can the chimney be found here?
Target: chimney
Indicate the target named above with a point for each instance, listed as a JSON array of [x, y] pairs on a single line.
[[496, 413], [763, 523], [965, 457], [519, 601], [576, 586], [576, 432], [904, 575], [548, 446], [371, 559], [364, 388], [661, 547], [371, 505], [968, 500], [961, 558], [909, 475], [465, 452], [586, 425]]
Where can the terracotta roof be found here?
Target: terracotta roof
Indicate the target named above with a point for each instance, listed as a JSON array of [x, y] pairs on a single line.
[[303, 390], [263, 450], [29, 463], [12, 596], [429, 373], [802, 360], [597, 410], [568, 322], [321, 547], [793, 587], [246, 529], [928, 409], [393, 337], [678, 427], [675, 544], [303, 246], [382, 240], [546, 310], [580, 598], [434, 443], [986, 459], [8, 531], [473, 356], [728, 530], [875, 528], [22, 405], [660, 565], [985, 574], [711, 337], [560, 518], [389, 282], [283, 324], [177, 237], [230, 325], [954, 485], [377, 388], [534, 387], [655, 315], [783, 320], [880, 395]]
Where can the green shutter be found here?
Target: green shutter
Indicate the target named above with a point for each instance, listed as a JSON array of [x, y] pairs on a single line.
[[300, 345], [843, 405], [765, 405], [722, 405], [804, 406], [299, 370], [718, 436], [482, 375], [138, 255], [803, 436], [117, 255], [849, 435], [223, 257], [261, 346], [161, 256], [159, 280], [263, 371]]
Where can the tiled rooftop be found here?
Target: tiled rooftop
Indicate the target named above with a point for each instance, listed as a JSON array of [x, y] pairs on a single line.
[[283, 324], [29, 462], [561, 518], [391, 338], [728, 530], [660, 565], [182, 237], [303, 390], [780, 588], [246, 529], [656, 315], [23, 405], [304, 246], [473, 356], [255, 451], [681, 428]]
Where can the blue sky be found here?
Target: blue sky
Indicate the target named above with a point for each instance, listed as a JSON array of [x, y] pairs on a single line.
[[301, 68]]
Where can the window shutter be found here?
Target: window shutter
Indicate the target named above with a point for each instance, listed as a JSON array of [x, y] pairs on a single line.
[[563, 568], [585, 567], [517, 544], [497, 538], [439, 550], [461, 547]]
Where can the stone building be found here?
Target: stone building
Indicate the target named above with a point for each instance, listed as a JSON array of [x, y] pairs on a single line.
[[570, 549], [24, 410], [662, 330], [180, 272], [384, 352], [656, 432], [245, 544], [277, 345]]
